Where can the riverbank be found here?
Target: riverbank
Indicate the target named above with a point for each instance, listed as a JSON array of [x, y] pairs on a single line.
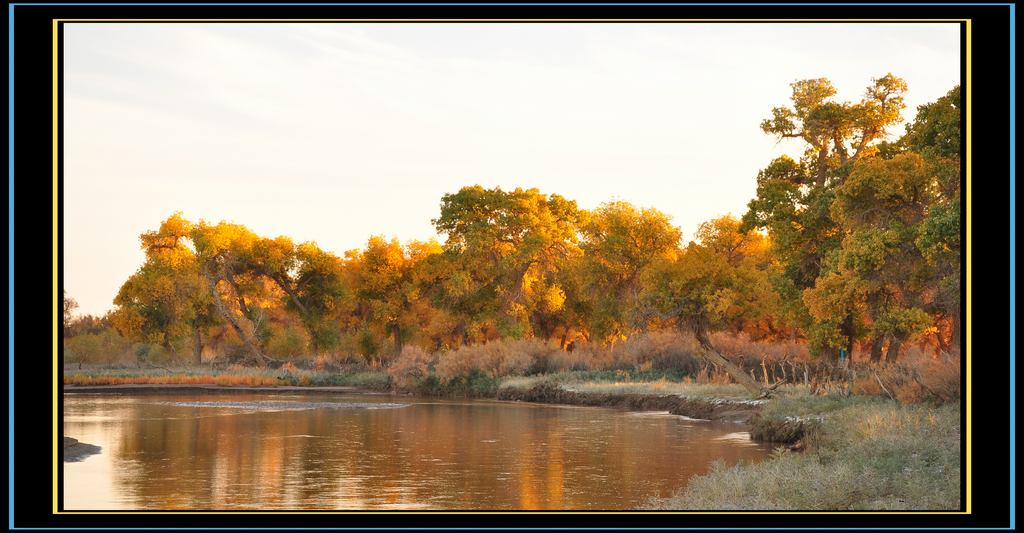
[[75, 451], [240, 377], [719, 402], [156, 388]]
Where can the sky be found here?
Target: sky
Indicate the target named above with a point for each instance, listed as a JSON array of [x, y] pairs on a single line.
[[333, 132]]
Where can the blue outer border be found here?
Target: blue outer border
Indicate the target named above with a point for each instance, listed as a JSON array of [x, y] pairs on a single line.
[[10, 262], [10, 267]]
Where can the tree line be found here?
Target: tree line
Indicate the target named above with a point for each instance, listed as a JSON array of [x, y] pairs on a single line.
[[854, 244]]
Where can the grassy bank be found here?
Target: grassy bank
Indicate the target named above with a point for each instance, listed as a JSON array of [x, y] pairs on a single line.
[[862, 453], [621, 382], [595, 383], [230, 377]]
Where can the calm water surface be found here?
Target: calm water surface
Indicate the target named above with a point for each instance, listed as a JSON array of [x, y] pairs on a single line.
[[365, 451]]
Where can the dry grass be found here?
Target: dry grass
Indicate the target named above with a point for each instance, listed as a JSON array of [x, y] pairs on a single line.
[[233, 376], [668, 362], [494, 359], [599, 383], [655, 350], [227, 380], [663, 386], [867, 456], [740, 345], [916, 378], [652, 354]]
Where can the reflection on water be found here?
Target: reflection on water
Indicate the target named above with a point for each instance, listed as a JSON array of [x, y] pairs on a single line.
[[378, 452]]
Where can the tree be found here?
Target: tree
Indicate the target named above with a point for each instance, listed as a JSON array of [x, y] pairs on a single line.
[[880, 206], [227, 253], [506, 248], [935, 134], [618, 242], [165, 301], [310, 278], [68, 305], [857, 240], [708, 285], [900, 212], [837, 133], [386, 288], [318, 290], [794, 199], [753, 267]]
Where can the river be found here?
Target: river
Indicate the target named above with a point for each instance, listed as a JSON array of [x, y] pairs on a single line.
[[383, 452]]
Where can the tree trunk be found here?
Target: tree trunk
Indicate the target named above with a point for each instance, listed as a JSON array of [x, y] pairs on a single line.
[[940, 341], [847, 331], [398, 338], [895, 345], [876, 348], [258, 355], [238, 294], [822, 166], [294, 297], [712, 355], [954, 337], [170, 347], [197, 345], [839, 148]]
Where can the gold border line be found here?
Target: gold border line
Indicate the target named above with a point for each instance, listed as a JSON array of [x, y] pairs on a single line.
[[56, 385], [56, 126]]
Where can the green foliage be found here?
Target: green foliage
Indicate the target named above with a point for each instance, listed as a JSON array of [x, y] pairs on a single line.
[[859, 223], [288, 341], [510, 246], [619, 243], [720, 282], [369, 345], [858, 240], [100, 346], [936, 129]]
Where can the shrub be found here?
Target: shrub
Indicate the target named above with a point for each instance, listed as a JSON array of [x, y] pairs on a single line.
[[495, 359], [323, 362], [475, 383], [104, 346], [411, 367], [712, 375], [644, 352]]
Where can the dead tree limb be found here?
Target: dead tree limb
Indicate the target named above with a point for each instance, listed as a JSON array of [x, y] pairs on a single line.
[[697, 325], [880, 384]]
